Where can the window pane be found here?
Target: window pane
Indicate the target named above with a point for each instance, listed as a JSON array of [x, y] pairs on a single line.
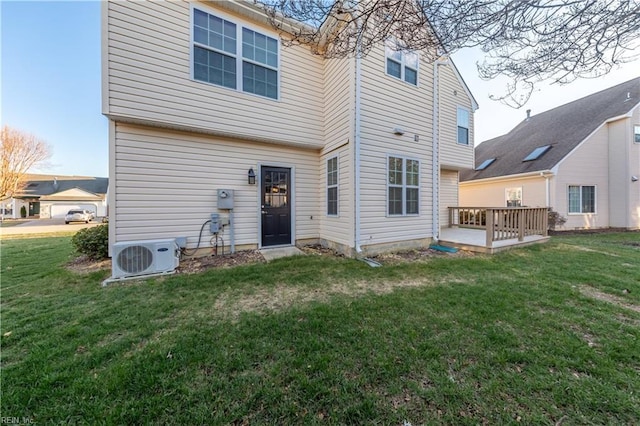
[[574, 199], [412, 200], [332, 171], [201, 35], [214, 67], [411, 59], [636, 131], [463, 135], [259, 80], [260, 48], [395, 201], [394, 68], [200, 18], [411, 76], [332, 201], [588, 199], [463, 117], [413, 174], [395, 171]]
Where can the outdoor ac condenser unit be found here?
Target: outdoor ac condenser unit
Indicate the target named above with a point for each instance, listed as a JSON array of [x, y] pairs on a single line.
[[136, 258]]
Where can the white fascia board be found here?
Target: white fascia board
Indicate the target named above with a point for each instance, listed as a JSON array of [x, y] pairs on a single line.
[[528, 175]]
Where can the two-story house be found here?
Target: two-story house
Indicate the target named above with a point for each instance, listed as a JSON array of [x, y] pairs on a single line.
[[205, 101], [582, 159]]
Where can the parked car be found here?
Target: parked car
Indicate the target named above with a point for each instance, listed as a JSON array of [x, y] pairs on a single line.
[[78, 216]]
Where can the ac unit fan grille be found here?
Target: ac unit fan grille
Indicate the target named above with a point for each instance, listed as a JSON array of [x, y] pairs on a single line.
[[135, 259]]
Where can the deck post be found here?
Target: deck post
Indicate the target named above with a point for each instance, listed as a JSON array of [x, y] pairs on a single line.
[[522, 219], [489, 228]]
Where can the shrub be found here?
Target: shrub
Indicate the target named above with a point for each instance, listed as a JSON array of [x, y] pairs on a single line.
[[23, 212], [555, 219], [92, 242]]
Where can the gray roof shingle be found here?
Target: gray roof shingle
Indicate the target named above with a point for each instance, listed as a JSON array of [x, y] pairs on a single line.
[[563, 128], [43, 185]]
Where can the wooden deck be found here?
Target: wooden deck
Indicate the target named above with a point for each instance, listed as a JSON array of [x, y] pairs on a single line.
[[493, 229], [475, 240]]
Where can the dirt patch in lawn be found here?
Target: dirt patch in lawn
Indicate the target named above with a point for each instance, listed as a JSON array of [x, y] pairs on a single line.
[[201, 264], [610, 298], [84, 265]]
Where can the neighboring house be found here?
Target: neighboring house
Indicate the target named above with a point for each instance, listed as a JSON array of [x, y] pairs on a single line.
[[581, 159], [48, 196], [361, 155]]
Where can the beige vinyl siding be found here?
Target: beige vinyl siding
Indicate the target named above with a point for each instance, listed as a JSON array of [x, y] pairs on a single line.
[[149, 74], [619, 173], [338, 228], [493, 194], [339, 118], [448, 194], [634, 169], [587, 165], [451, 96], [387, 103], [166, 184]]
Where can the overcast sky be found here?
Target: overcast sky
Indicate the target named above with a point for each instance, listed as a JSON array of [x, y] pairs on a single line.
[[51, 84]]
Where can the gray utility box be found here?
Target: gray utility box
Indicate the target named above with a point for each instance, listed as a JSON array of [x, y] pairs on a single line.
[[214, 227], [225, 199]]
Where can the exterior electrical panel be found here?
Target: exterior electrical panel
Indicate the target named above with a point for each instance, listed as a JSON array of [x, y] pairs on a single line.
[[225, 199], [214, 226]]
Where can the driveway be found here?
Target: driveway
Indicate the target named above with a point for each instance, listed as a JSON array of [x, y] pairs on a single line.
[[45, 226]]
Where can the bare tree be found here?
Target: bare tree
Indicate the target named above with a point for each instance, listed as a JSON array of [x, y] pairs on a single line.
[[19, 153], [528, 41]]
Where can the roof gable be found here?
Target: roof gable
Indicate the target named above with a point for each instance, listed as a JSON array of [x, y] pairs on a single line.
[[562, 128]]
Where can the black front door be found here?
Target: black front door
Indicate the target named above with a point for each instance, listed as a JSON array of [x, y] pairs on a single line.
[[276, 206]]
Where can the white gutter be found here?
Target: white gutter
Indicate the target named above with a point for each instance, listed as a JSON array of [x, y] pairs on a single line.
[[435, 155], [356, 141], [535, 174]]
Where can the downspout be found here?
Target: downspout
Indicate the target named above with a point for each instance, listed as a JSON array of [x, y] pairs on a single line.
[[435, 155], [356, 139]]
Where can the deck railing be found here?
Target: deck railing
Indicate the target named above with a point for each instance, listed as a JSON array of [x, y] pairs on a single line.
[[501, 223]]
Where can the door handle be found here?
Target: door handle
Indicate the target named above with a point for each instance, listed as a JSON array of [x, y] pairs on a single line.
[[264, 212]]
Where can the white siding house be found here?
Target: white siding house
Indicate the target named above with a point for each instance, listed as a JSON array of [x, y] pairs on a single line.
[[345, 152]]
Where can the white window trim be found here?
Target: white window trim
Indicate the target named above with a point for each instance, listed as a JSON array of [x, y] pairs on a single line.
[[337, 186], [468, 111], [238, 55], [404, 186], [402, 64], [595, 201]]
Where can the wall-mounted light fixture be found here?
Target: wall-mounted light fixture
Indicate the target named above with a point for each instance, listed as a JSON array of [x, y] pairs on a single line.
[[398, 131], [251, 176], [634, 178]]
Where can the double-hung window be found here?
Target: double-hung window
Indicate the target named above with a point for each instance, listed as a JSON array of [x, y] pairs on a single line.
[[401, 63], [332, 186], [463, 126], [636, 133], [514, 197], [403, 186], [229, 55], [582, 199]]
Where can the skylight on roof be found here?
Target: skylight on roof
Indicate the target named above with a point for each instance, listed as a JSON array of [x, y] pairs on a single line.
[[485, 164], [536, 153]]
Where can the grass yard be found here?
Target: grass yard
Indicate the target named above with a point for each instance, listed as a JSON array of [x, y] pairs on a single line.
[[547, 334]]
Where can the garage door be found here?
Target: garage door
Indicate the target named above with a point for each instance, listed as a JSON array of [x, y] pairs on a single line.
[[60, 210]]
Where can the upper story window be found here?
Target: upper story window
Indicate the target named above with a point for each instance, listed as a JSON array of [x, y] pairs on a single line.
[[582, 199], [332, 186], [463, 126], [401, 63], [228, 55], [403, 186], [636, 134], [537, 153]]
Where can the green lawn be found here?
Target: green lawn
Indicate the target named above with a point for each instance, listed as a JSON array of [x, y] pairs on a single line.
[[548, 334]]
